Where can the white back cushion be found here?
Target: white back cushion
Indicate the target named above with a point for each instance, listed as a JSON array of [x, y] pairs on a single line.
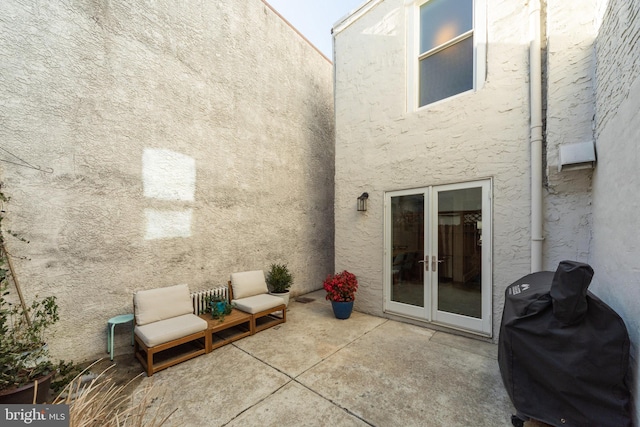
[[158, 304], [248, 284]]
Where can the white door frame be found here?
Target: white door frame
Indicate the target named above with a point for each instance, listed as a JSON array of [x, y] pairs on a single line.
[[429, 312], [424, 312]]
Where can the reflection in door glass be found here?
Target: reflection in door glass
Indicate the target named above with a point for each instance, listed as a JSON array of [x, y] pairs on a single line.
[[407, 236], [460, 252]]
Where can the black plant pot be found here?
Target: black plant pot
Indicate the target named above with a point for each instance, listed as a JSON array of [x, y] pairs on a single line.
[[25, 393]]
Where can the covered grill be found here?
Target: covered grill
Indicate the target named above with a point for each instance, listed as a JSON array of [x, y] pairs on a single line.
[[563, 353]]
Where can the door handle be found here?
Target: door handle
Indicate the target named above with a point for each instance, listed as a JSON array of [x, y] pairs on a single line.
[[426, 264]]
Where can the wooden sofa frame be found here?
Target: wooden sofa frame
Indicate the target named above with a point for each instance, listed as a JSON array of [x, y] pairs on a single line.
[[146, 354], [199, 341], [266, 317], [202, 342]]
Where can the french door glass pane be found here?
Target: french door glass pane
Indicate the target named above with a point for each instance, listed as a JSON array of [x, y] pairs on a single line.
[[447, 72], [407, 240], [460, 252]]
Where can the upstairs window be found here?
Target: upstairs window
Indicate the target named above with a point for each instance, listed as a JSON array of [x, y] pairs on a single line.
[[446, 48]]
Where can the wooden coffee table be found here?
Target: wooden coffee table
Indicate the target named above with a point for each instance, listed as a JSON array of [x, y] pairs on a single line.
[[235, 325]]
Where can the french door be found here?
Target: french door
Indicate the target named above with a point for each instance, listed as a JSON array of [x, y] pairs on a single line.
[[438, 255]]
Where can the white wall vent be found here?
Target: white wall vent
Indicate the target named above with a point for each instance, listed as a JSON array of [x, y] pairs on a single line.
[[577, 155]]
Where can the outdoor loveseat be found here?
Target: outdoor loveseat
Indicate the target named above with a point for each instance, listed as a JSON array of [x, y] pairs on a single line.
[[165, 319]]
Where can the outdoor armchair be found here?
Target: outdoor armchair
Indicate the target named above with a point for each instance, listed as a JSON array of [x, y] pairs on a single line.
[[248, 291], [164, 320]]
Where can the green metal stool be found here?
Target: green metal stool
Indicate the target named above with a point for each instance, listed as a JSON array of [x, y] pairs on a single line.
[[111, 324]]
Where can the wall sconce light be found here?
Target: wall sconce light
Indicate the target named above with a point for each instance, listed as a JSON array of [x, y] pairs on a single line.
[[362, 202]]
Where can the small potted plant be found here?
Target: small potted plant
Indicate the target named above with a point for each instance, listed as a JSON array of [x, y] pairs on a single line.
[[219, 307], [341, 291], [279, 280]]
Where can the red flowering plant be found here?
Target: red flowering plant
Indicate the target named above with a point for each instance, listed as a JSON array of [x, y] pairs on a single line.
[[341, 286]]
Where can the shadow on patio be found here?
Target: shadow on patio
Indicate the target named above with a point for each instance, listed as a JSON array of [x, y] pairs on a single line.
[[316, 370]]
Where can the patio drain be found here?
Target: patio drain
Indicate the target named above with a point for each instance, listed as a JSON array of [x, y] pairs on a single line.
[[304, 300]]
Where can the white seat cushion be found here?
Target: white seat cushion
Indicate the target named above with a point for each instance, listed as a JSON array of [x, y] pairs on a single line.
[[248, 284], [157, 304], [163, 331], [257, 303]]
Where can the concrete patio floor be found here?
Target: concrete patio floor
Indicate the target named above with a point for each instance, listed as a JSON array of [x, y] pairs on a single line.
[[315, 370]]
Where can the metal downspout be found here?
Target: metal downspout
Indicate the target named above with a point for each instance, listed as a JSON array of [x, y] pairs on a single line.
[[535, 99]]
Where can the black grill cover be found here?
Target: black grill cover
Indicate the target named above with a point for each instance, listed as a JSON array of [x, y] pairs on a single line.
[[563, 353]]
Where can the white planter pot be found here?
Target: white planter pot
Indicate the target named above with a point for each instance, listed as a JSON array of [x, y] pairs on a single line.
[[283, 295]]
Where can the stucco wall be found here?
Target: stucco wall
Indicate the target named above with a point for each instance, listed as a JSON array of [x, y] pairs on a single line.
[[380, 147], [185, 141], [570, 108], [616, 181]]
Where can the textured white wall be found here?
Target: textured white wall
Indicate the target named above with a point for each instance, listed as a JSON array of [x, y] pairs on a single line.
[[380, 147], [616, 181], [570, 34], [187, 141]]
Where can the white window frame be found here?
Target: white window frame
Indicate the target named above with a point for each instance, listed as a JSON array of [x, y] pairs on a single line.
[[413, 51]]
